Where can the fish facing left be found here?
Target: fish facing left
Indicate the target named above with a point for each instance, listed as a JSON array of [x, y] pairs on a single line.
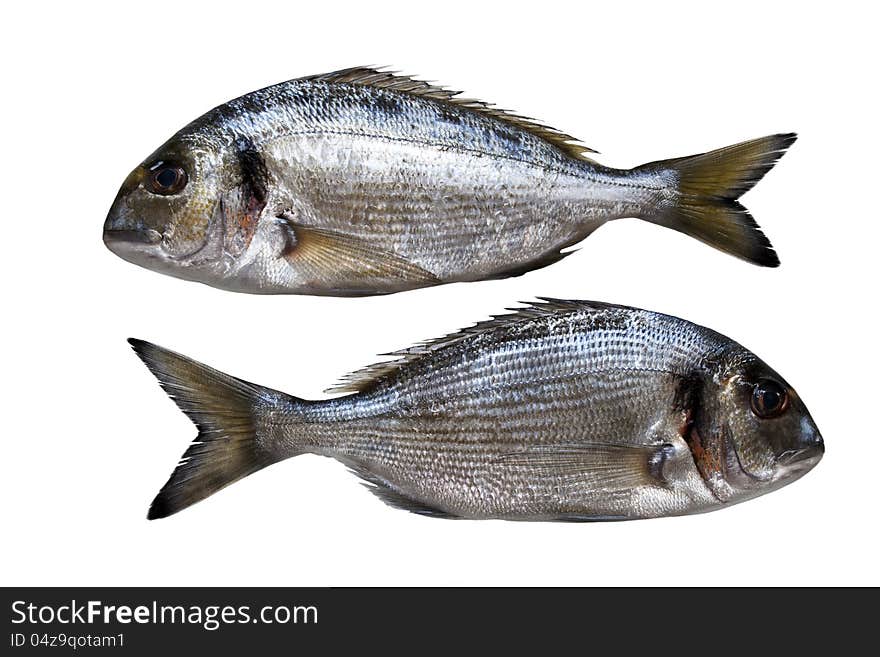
[[563, 410], [362, 182]]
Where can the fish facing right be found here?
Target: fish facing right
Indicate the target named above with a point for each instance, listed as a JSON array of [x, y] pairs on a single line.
[[562, 410], [362, 182]]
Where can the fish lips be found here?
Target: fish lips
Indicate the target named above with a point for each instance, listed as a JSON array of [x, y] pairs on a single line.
[[808, 449], [795, 456], [132, 242], [113, 236], [128, 237], [794, 463]]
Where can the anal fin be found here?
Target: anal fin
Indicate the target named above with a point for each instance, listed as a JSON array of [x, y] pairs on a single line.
[[531, 265], [348, 264], [546, 259], [393, 497]]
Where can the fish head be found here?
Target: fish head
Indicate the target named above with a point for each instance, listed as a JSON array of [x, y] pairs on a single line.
[[165, 212], [750, 432]]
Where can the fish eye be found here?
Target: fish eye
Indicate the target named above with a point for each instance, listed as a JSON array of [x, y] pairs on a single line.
[[166, 179], [769, 399]]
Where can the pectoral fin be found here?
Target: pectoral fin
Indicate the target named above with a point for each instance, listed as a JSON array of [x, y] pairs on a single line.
[[350, 265], [598, 466]]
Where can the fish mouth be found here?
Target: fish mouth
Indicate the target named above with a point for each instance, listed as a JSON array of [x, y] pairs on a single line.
[[139, 245], [793, 456], [796, 462], [131, 236], [809, 449], [805, 454], [124, 232]]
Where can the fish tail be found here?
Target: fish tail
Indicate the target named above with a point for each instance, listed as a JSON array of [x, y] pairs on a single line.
[[228, 413], [707, 187]]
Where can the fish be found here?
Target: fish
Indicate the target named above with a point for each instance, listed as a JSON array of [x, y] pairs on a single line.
[[363, 182], [557, 411]]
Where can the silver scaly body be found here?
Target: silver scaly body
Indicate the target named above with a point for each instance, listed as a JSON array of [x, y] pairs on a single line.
[[563, 410], [457, 193], [470, 427], [362, 182]]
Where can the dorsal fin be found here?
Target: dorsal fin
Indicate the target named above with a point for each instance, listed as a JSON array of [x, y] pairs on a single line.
[[369, 376], [372, 77]]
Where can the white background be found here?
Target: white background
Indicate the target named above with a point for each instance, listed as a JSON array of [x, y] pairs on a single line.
[[88, 437]]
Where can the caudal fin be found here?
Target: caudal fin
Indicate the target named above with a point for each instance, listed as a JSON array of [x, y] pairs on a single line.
[[708, 187], [224, 410]]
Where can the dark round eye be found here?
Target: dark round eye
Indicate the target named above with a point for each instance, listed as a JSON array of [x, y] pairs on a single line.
[[769, 399], [167, 179]]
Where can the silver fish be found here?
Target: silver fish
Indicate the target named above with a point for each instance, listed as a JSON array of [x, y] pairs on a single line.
[[363, 182], [563, 410]]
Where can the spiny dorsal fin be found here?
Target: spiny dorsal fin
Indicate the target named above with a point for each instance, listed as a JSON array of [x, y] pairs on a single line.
[[372, 77], [367, 377]]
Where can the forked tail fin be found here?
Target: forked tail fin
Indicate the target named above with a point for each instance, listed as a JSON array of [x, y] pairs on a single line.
[[709, 185], [226, 412]]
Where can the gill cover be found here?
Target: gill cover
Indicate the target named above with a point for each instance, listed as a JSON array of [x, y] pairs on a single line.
[[704, 436]]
